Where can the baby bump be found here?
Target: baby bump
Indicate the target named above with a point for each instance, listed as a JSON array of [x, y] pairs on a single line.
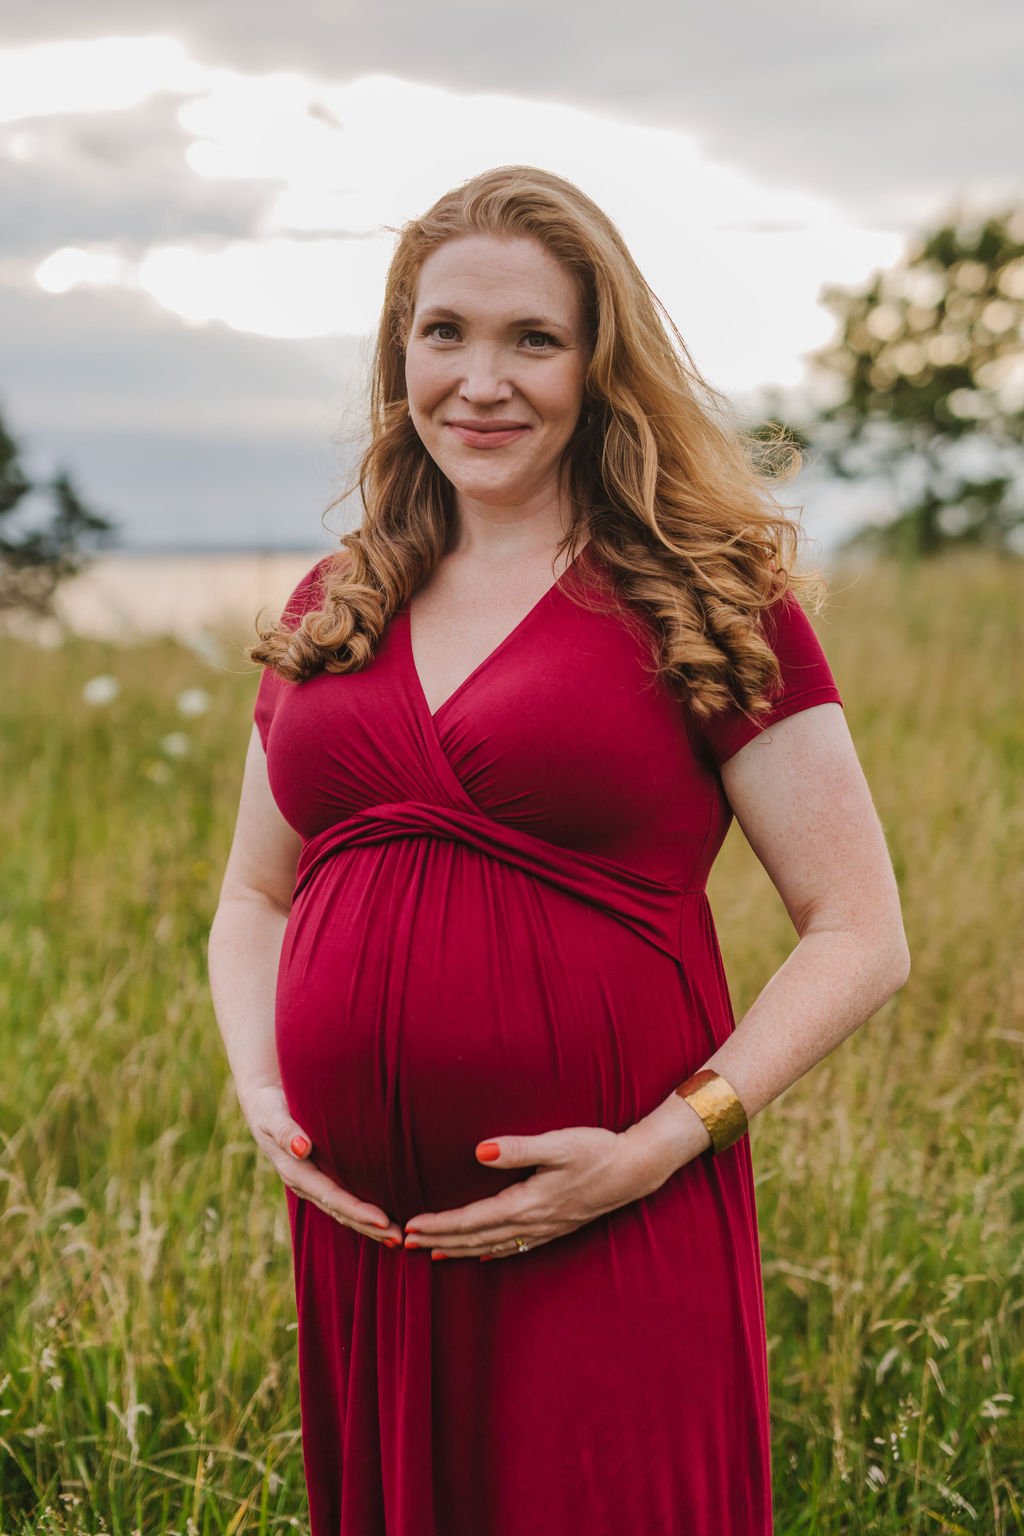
[[430, 997]]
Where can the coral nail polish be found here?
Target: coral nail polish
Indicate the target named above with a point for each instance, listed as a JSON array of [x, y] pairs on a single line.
[[393, 1242], [300, 1146], [437, 1256], [487, 1151]]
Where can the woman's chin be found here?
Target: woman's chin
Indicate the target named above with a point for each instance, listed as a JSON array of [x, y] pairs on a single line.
[[494, 490]]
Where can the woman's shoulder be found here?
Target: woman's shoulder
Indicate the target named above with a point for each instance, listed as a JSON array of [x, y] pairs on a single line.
[[805, 679], [307, 594]]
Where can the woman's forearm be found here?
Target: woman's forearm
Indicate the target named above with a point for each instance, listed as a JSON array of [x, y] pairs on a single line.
[[830, 984], [243, 955]]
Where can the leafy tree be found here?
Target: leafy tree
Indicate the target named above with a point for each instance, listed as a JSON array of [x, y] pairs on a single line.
[[929, 365], [35, 560]]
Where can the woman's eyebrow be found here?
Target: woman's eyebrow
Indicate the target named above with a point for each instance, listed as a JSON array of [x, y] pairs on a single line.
[[535, 322]]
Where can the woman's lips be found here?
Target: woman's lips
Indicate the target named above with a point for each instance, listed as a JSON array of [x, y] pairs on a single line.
[[489, 439]]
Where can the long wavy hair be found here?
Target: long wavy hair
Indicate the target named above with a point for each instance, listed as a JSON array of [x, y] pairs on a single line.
[[675, 498]]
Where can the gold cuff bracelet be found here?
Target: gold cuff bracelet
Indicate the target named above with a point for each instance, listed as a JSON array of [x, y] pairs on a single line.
[[718, 1105]]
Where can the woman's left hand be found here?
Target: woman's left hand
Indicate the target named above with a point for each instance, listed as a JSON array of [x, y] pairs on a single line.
[[582, 1172]]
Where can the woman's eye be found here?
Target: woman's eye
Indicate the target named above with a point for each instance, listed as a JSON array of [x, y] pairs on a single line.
[[537, 341]]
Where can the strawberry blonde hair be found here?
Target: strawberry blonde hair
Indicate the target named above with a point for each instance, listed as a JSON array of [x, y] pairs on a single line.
[[675, 498]]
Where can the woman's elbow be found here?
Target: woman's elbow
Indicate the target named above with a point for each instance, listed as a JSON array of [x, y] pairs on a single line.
[[900, 962]]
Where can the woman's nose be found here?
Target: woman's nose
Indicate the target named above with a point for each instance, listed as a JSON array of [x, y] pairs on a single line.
[[484, 378]]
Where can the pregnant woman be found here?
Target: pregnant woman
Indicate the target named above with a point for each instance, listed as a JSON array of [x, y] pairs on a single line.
[[464, 963]]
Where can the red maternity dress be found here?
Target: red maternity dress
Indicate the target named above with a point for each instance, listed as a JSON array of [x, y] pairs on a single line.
[[500, 926]]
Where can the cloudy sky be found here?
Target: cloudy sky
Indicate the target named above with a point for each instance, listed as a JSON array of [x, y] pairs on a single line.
[[193, 240]]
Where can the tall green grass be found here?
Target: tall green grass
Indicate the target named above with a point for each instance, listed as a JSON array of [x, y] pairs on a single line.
[[147, 1345]]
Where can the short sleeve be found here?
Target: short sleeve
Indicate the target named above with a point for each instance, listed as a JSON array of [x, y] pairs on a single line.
[[806, 680], [304, 597]]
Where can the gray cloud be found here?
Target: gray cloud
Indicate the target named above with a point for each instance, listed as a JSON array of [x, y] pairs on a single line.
[[104, 175], [201, 438], [868, 102]]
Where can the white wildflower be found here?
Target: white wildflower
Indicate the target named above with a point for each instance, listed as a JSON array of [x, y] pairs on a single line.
[[175, 744], [101, 690], [193, 701], [958, 1501]]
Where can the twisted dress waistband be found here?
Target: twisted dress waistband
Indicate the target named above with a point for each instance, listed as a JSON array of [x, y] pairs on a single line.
[[651, 907]]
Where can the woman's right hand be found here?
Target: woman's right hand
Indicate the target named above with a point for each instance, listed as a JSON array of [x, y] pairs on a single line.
[[289, 1149]]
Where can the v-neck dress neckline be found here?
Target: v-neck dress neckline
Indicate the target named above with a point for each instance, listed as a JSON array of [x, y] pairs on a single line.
[[503, 644]]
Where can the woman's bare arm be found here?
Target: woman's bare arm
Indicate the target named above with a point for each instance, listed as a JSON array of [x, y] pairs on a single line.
[[800, 795], [248, 927], [243, 956]]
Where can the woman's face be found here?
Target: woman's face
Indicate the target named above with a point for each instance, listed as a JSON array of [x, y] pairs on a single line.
[[494, 366]]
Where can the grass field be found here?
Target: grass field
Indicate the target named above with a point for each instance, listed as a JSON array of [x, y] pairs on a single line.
[[147, 1373]]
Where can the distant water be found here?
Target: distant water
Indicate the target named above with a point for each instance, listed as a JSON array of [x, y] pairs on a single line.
[[123, 595], [126, 594]]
